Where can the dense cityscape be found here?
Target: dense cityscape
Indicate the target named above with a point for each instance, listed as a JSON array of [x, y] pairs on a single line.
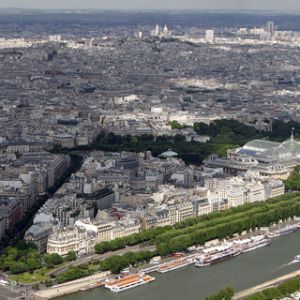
[[145, 143]]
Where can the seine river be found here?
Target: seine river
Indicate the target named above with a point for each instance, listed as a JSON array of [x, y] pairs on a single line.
[[191, 283]]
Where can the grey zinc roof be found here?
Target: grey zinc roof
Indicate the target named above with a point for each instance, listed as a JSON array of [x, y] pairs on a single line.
[[39, 230]]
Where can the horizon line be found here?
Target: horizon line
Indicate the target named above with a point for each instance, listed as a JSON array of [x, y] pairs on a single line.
[[74, 10]]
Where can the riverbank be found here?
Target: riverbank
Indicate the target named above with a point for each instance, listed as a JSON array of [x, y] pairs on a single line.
[[260, 287], [189, 283], [71, 287], [117, 264], [97, 280]]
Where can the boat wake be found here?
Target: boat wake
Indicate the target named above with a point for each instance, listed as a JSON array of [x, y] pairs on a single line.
[[292, 262], [287, 264]]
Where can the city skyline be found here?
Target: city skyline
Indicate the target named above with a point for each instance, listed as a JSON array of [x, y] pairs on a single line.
[[277, 5], [141, 137]]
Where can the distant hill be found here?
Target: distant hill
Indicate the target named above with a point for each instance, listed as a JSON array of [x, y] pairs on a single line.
[[13, 10]]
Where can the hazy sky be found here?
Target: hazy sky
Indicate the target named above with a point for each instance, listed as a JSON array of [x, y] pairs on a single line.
[[282, 5]]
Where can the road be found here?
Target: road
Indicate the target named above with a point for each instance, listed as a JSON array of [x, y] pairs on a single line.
[[87, 259]]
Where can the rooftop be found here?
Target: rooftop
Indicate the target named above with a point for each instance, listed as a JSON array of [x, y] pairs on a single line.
[[168, 153]]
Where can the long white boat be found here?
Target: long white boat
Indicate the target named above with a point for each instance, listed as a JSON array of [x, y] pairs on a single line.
[[175, 264], [284, 230], [217, 254], [296, 259], [127, 282], [253, 243]]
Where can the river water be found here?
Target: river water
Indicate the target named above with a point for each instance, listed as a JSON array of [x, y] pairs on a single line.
[[191, 283]]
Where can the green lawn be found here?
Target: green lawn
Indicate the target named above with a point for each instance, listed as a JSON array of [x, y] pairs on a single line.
[[36, 276], [41, 275]]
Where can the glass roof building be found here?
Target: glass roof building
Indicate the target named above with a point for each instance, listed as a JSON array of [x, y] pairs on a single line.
[[268, 158], [266, 152]]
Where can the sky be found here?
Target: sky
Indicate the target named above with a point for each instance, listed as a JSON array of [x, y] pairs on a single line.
[[278, 5]]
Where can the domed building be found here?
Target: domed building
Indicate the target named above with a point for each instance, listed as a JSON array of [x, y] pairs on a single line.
[[168, 154]]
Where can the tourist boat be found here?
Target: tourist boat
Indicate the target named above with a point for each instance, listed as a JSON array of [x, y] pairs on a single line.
[[173, 265], [177, 254], [253, 243], [296, 258], [282, 231], [125, 271], [128, 282], [217, 254]]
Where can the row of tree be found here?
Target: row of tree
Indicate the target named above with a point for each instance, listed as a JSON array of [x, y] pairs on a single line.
[[284, 289], [225, 294], [25, 257], [73, 273], [134, 239], [180, 239], [117, 263], [114, 264], [198, 230]]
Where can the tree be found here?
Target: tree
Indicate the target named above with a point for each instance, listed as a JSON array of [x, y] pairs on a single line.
[[201, 128], [225, 294], [178, 138], [36, 286], [71, 256], [71, 274], [271, 293], [134, 140], [258, 296], [48, 283], [53, 259], [33, 263], [17, 267], [293, 182], [176, 125], [163, 249]]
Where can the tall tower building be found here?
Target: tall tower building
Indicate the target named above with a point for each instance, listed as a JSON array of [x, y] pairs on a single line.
[[166, 31], [209, 36], [270, 27], [156, 32]]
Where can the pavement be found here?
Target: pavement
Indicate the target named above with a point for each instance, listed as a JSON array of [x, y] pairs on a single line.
[[8, 294]]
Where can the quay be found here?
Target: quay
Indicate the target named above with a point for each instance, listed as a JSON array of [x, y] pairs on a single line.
[[268, 284], [74, 286], [168, 264]]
